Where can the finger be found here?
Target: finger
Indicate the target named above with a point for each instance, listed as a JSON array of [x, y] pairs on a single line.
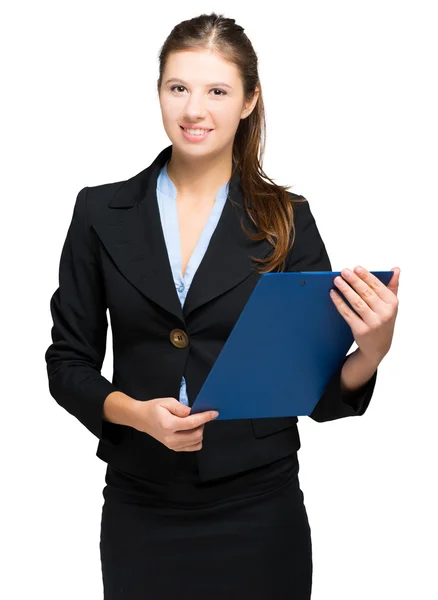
[[190, 448], [188, 444], [384, 292], [187, 440], [188, 432], [193, 421], [360, 292], [357, 303], [345, 311]]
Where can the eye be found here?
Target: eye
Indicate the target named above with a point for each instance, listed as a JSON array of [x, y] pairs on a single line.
[[222, 93]]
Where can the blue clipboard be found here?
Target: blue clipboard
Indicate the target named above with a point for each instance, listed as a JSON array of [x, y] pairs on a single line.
[[283, 350]]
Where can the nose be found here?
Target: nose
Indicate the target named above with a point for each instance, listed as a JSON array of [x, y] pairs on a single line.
[[195, 108]]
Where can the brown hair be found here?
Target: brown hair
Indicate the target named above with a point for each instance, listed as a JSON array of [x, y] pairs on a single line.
[[271, 208]]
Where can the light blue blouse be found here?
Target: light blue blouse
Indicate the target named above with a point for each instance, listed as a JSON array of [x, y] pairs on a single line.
[[166, 196]]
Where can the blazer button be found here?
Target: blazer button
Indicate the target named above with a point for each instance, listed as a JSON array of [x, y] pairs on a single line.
[[179, 338]]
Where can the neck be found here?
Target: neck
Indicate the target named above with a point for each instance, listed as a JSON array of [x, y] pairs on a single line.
[[198, 178]]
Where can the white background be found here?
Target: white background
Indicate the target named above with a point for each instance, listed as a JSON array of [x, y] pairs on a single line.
[[351, 108]]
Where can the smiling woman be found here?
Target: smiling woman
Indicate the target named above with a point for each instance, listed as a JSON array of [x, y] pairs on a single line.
[[194, 507], [244, 533]]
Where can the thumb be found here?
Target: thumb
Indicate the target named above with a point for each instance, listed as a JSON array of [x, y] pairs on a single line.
[[395, 280], [177, 408]]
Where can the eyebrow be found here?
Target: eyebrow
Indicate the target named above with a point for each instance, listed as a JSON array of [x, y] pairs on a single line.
[[206, 85]]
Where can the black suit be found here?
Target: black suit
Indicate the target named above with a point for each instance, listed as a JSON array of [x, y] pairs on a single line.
[[115, 257]]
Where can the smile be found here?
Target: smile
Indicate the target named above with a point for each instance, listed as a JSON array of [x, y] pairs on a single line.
[[196, 135]]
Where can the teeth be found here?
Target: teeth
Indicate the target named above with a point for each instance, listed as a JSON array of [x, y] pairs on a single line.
[[196, 131]]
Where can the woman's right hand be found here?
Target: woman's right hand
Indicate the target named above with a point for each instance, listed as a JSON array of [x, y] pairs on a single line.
[[169, 421]]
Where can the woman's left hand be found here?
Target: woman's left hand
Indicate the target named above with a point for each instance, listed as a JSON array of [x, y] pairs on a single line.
[[376, 305]]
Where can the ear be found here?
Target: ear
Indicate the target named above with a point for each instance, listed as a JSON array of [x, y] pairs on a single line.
[[249, 106]]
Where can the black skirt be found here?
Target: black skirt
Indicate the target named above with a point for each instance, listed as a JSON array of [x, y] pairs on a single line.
[[245, 536]]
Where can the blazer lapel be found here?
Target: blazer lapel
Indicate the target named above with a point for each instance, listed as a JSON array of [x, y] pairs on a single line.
[[227, 259], [133, 236]]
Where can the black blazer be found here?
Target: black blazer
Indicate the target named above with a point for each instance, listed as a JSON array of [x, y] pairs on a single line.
[[114, 257]]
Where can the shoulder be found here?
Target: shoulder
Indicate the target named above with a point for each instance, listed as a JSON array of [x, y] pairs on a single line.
[[99, 201], [98, 197], [303, 216], [91, 205], [296, 199], [308, 252]]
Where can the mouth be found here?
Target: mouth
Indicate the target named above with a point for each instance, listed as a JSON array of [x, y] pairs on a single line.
[[206, 130], [195, 137]]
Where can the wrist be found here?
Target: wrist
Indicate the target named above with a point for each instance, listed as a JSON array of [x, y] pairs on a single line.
[[120, 408], [356, 371], [373, 361]]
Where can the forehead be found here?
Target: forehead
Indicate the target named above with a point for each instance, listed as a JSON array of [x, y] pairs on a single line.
[[200, 67]]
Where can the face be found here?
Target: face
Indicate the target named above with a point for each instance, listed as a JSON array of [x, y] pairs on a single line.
[[207, 94]]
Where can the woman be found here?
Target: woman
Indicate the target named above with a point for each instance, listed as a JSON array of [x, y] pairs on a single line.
[[193, 507]]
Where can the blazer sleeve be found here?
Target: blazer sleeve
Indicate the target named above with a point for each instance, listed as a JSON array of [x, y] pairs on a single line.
[[74, 359], [309, 254]]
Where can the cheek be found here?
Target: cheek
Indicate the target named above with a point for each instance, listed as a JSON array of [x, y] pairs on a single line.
[[171, 113], [227, 112], [226, 119], [170, 109]]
